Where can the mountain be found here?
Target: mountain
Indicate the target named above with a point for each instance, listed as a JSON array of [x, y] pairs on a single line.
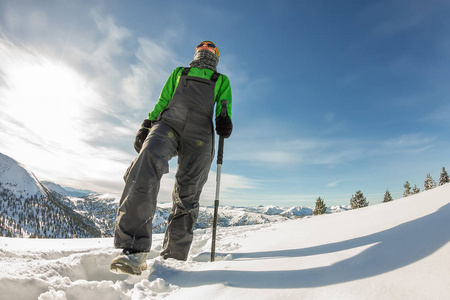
[[18, 179], [55, 187], [101, 209], [77, 192], [30, 207]]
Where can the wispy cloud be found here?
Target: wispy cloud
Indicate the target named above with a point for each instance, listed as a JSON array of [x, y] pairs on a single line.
[[314, 151], [141, 86], [390, 18], [86, 136], [438, 115], [297, 151], [409, 143], [334, 183], [73, 119]]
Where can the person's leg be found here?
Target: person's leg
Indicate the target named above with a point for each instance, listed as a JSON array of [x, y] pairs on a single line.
[[194, 162], [137, 206]]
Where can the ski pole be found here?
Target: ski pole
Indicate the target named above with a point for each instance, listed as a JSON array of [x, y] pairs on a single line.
[[223, 113]]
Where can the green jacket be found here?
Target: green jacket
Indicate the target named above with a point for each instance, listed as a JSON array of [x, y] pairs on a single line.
[[222, 90]]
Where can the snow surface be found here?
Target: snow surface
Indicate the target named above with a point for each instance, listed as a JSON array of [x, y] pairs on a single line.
[[395, 250]]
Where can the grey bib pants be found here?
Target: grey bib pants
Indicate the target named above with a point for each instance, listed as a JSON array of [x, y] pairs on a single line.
[[184, 128]]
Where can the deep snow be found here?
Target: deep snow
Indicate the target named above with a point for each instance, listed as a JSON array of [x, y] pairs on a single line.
[[395, 250]]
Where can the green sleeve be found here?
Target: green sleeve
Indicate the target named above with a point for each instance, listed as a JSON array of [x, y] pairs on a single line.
[[166, 95], [223, 92]]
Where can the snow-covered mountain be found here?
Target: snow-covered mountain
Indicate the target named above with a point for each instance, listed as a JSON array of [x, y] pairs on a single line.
[[55, 187], [78, 193], [29, 207], [18, 179]]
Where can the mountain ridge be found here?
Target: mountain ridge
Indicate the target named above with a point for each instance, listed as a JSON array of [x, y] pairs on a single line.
[[33, 208]]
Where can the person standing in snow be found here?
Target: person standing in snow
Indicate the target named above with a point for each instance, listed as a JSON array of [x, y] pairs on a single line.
[[181, 124]]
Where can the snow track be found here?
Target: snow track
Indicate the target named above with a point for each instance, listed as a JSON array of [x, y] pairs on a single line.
[[55, 271]]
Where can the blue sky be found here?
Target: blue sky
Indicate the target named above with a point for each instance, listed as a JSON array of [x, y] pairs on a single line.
[[329, 97]]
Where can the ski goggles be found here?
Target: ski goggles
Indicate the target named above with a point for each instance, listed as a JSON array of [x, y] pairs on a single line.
[[210, 45], [207, 44]]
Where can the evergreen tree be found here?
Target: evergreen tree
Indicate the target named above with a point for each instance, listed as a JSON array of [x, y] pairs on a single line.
[[443, 179], [416, 190], [407, 191], [358, 200], [320, 208], [429, 183], [387, 196]]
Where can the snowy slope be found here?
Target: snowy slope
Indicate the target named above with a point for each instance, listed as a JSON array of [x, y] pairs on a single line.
[[29, 208], [55, 187], [396, 250], [16, 177]]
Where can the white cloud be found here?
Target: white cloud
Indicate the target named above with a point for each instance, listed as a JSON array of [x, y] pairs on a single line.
[[47, 132], [142, 85], [69, 119], [334, 183], [438, 115], [281, 153], [408, 143], [278, 153]]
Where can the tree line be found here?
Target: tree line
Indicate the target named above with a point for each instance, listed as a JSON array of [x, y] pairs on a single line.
[[358, 200], [35, 216]]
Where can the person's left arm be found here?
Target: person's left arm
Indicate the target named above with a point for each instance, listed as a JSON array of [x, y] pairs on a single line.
[[223, 92], [224, 125]]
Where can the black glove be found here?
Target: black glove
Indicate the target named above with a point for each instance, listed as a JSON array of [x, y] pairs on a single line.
[[142, 135], [224, 126]]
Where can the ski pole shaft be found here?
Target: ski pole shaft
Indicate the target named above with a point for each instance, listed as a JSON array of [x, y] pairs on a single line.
[[216, 211], [223, 113]]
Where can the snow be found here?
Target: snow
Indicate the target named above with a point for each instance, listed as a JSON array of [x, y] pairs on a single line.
[[18, 178], [55, 187], [395, 250]]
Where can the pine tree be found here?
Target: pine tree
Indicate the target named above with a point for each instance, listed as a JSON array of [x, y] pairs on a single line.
[[358, 200], [443, 179], [416, 190], [320, 208], [387, 196], [407, 191], [429, 183]]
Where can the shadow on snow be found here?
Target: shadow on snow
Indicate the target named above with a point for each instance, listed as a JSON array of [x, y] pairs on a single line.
[[393, 248]]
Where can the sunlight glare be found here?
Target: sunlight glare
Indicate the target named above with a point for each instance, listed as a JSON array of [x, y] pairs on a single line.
[[50, 98]]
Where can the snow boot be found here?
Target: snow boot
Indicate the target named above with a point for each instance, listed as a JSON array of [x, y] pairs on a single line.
[[129, 262]]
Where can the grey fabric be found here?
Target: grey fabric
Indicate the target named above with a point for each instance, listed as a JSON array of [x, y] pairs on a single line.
[[185, 129], [204, 59]]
